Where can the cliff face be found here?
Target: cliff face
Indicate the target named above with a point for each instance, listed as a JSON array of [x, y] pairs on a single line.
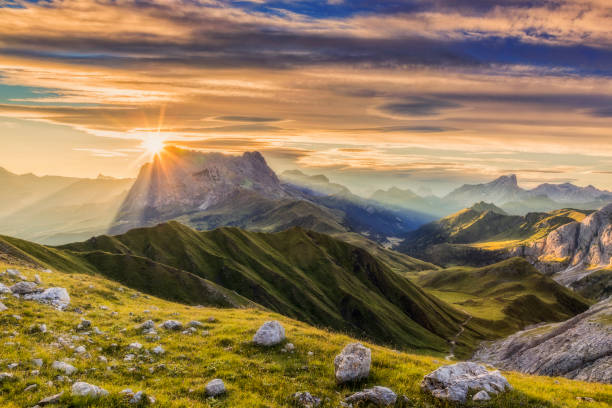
[[579, 348], [574, 250], [180, 181]]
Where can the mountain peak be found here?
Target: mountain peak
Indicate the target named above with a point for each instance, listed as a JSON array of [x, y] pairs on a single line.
[[509, 179]]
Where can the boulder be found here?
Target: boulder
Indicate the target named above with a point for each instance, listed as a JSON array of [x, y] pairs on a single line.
[[353, 363], [4, 289], [194, 323], [24, 288], [63, 367], [56, 297], [481, 396], [83, 389], [83, 325], [455, 382], [379, 396], [305, 400], [269, 334], [172, 325], [215, 387], [147, 325], [3, 307], [5, 377], [158, 350], [53, 399], [135, 346]]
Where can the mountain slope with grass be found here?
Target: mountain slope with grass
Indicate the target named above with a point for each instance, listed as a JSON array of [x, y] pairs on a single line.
[[219, 347], [511, 293], [302, 274]]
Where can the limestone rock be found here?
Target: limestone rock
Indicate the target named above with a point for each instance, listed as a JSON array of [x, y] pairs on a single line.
[[269, 334], [305, 400], [481, 396], [172, 325], [56, 297], [24, 288], [83, 389], [215, 387], [379, 396], [53, 399], [454, 382], [353, 363], [63, 367]]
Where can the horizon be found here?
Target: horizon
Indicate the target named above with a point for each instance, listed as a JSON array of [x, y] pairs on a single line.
[[408, 93]]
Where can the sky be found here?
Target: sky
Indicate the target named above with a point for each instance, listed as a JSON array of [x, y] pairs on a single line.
[[426, 94]]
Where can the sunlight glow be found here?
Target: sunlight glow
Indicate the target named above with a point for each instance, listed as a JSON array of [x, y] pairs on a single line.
[[154, 144]]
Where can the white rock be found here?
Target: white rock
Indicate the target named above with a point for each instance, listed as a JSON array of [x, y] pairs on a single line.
[[3, 307], [4, 289], [481, 396], [4, 377], [102, 359], [37, 279], [63, 367], [135, 346], [13, 273], [353, 363], [454, 382], [194, 323], [172, 325], [305, 400], [83, 325], [80, 350], [158, 350], [84, 389], [269, 334], [215, 387], [38, 362], [56, 297], [24, 288]]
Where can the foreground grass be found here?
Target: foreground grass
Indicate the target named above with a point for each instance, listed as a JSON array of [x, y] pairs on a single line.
[[254, 376]]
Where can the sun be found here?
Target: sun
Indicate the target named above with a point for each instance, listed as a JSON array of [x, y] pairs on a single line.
[[153, 145]]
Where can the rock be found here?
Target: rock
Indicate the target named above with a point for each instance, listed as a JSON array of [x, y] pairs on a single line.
[[24, 288], [353, 363], [30, 387], [194, 323], [38, 328], [83, 325], [102, 359], [579, 348], [3, 307], [172, 325], [135, 346], [63, 367], [481, 396], [4, 289], [96, 330], [289, 347], [12, 365], [53, 399], [56, 297], [80, 350], [454, 382], [158, 350], [147, 325], [215, 387], [211, 319], [269, 334], [37, 362], [6, 377], [305, 400], [379, 396], [83, 389], [138, 397], [37, 280]]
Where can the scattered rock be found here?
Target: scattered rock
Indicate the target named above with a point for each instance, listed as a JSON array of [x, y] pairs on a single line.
[[147, 325], [63, 367], [135, 346], [4, 289], [53, 399], [481, 396], [305, 400], [194, 323], [211, 319], [37, 280], [3, 307], [30, 387], [80, 350], [585, 399], [84, 389], [38, 328], [454, 382], [38, 362], [83, 325], [269, 334], [353, 363], [56, 297], [6, 377], [172, 325], [24, 288], [158, 350], [215, 387], [380, 396]]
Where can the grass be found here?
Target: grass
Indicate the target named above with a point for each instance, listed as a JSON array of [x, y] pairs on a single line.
[[254, 376]]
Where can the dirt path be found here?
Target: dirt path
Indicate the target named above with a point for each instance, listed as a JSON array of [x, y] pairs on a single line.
[[454, 340]]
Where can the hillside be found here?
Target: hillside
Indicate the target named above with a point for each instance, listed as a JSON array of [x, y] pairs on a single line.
[[301, 274], [482, 230], [220, 348], [512, 294]]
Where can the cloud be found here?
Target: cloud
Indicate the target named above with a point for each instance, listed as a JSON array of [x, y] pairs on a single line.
[[417, 107]]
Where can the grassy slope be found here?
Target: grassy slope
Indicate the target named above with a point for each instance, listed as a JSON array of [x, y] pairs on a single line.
[[302, 274], [512, 293], [255, 377]]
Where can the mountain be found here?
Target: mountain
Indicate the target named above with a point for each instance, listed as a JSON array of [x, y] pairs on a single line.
[[569, 193], [501, 190], [573, 250], [301, 274], [479, 235], [221, 347], [578, 348], [409, 200], [512, 293], [211, 190], [56, 210]]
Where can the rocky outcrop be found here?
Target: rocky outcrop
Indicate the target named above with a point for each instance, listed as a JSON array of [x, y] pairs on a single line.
[[378, 396], [455, 382], [573, 250], [353, 363], [579, 348], [269, 334]]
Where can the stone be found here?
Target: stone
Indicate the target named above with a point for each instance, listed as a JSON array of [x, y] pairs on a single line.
[[13, 273], [3, 307], [83, 389], [172, 325], [30, 387], [215, 387], [24, 288], [6, 377], [481, 396], [80, 350], [56, 297], [353, 363], [158, 350], [194, 323], [211, 319], [37, 362], [269, 334], [454, 382], [83, 325], [135, 346], [379, 396], [63, 367], [38, 328], [305, 400], [4, 289], [37, 280], [147, 325], [53, 399]]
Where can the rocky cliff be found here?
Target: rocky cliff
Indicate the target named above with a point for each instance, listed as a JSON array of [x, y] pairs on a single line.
[[579, 348]]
